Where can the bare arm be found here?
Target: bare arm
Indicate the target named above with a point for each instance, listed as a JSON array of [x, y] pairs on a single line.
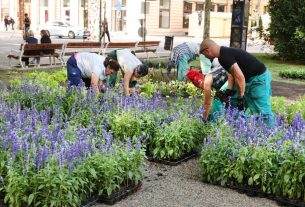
[[207, 96], [230, 81], [239, 78], [95, 82], [126, 80]]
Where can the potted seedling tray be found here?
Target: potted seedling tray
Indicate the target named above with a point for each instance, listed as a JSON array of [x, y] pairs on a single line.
[[174, 162], [119, 195]]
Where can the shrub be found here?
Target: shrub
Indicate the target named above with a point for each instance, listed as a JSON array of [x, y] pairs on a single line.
[[287, 28]]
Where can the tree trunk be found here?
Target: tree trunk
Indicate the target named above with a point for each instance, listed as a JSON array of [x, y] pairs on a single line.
[[206, 28]]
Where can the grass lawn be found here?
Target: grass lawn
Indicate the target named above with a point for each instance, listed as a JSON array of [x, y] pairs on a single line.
[[275, 66]]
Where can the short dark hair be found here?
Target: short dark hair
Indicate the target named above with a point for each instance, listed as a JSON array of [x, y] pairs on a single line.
[[44, 32], [113, 64], [143, 70]]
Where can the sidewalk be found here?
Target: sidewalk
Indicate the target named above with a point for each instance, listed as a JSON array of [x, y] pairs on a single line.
[[12, 39]]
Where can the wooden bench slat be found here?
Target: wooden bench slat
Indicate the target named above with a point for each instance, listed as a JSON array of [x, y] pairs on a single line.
[[83, 45], [120, 45], [38, 47], [42, 46]]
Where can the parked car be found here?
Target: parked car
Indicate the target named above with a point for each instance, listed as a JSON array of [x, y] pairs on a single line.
[[64, 29]]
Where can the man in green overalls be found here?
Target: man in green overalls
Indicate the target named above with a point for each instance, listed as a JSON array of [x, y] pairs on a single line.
[[252, 78]]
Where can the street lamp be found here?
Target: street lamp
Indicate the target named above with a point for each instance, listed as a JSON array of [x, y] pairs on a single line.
[[239, 24]]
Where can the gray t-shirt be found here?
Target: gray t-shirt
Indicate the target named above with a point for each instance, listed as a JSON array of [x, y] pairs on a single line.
[[127, 60], [89, 63]]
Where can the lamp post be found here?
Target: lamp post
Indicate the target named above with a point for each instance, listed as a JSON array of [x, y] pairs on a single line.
[[239, 24]]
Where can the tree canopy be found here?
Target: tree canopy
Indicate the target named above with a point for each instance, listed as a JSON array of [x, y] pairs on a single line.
[[287, 28]]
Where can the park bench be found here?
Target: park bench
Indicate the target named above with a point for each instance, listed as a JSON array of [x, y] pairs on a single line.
[[118, 45], [73, 47], [19, 54], [146, 47]]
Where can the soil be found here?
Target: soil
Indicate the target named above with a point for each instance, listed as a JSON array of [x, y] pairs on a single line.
[[287, 90]]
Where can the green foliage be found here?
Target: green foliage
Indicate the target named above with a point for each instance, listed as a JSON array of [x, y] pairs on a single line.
[[176, 139], [296, 74], [48, 187], [181, 89], [287, 28], [227, 160], [125, 124], [278, 105]]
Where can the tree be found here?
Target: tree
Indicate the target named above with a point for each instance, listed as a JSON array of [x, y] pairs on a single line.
[[287, 28], [206, 28]]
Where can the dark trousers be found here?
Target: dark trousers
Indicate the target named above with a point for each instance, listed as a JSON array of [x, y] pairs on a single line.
[[26, 60], [74, 73], [107, 33]]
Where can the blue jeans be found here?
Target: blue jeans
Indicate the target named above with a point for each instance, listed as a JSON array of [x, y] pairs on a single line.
[[74, 74]]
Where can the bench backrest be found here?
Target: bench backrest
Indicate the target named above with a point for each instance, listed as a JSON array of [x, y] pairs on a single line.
[[83, 45], [120, 45], [148, 43], [47, 46]]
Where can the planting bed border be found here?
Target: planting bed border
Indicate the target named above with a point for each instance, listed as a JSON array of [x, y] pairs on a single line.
[[249, 191], [90, 202], [119, 195], [175, 162]]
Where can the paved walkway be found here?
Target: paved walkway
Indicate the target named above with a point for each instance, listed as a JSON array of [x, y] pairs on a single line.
[[181, 186], [12, 39]]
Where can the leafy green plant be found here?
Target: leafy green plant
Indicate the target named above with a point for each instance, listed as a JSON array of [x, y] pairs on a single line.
[[125, 124], [296, 74], [174, 140], [286, 31]]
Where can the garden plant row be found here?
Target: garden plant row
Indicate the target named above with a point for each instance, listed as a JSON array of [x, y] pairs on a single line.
[[67, 147]]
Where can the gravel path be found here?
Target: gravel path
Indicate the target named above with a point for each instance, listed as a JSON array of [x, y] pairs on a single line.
[[181, 186]]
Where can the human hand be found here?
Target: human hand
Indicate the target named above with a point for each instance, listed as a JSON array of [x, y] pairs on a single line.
[[229, 92], [241, 103], [205, 120], [223, 97]]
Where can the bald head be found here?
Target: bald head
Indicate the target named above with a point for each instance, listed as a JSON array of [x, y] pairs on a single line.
[[209, 48]]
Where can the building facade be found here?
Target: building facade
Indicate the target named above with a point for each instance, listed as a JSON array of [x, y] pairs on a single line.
[[163, 17]]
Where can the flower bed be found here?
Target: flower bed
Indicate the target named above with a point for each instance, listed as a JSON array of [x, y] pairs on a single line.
[[246, 152], [63, 147]]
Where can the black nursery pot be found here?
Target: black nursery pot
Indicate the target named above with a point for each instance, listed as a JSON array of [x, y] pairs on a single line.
[[119, 195]]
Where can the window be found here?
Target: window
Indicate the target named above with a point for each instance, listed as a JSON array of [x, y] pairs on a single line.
[[44, 3], [212, 8], [199, 6], [82, 4], [66, 3], [187, 10], [221, 8], [123, 3], [266, 9], [67, 15], [164, 12]]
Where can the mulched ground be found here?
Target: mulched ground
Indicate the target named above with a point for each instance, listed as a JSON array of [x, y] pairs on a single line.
[[287, 90]]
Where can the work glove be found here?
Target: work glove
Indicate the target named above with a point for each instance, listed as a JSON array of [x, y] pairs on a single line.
[[229, 92], [241, 103], [224, 96]]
